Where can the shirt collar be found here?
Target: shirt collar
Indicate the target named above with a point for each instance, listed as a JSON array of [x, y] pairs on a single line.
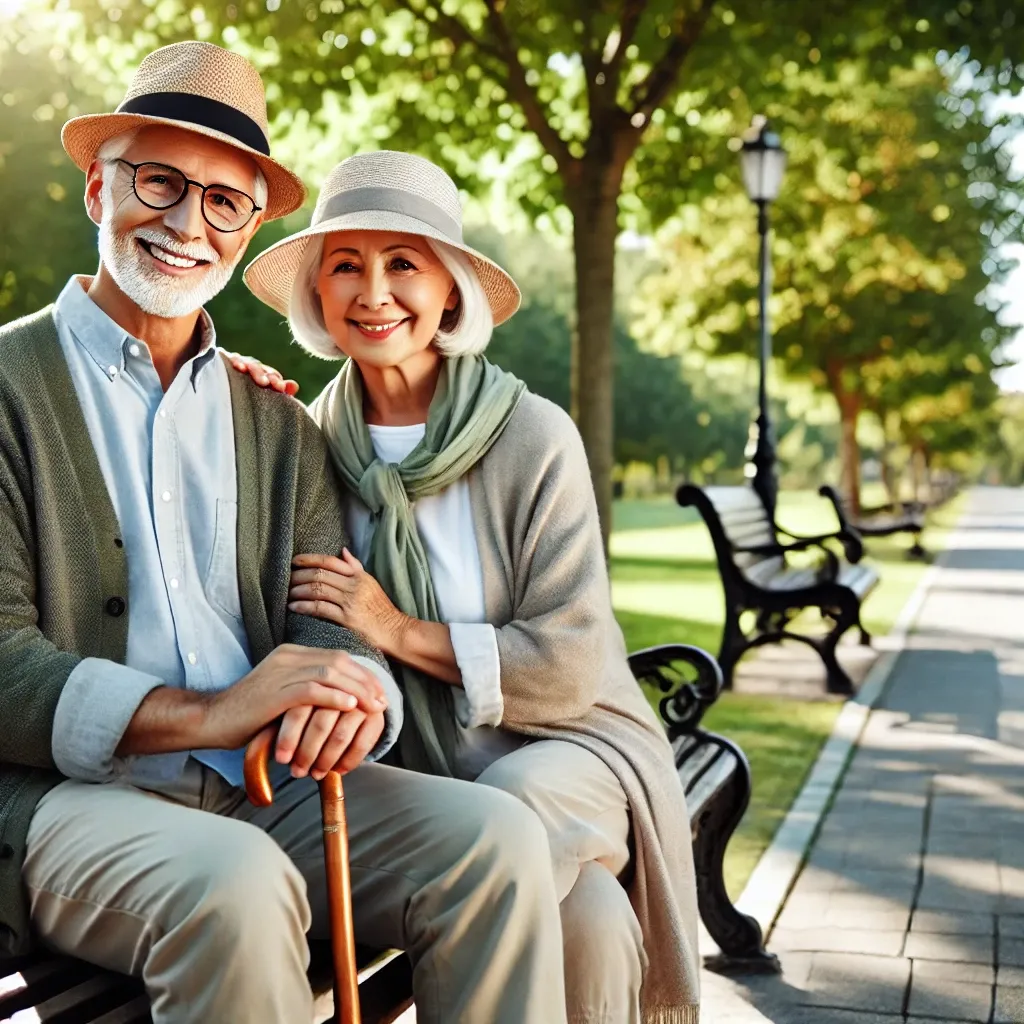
[[107, 343]]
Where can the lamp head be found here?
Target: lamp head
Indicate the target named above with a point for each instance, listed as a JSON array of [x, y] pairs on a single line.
[[762, 161]]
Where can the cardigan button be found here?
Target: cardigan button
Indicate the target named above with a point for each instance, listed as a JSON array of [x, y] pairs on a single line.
[[6, 851], [118, 543], [115, 606]]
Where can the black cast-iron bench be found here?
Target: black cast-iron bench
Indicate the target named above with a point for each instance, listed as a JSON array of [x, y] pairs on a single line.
[[880, 520], [758, 576], [55, 989]]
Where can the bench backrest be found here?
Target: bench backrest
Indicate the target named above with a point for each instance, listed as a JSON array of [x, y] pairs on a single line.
[[736, 518], [838, 503]]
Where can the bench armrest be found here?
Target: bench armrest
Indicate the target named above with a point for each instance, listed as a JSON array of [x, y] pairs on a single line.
[[759, 549], [690, 678], [853, 546]]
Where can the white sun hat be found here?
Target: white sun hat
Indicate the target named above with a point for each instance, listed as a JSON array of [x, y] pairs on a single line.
[[381, 191], [202, 88]]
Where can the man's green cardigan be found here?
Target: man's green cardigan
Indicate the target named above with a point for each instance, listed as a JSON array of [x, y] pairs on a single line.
[[63, 564]]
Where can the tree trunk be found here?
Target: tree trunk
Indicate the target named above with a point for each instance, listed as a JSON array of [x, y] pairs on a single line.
[[849, 403], [917, 466], [888, 474], [595, 227], [851, 455]]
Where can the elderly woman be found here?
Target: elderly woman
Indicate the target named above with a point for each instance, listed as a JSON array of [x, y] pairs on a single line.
[[477, 568]]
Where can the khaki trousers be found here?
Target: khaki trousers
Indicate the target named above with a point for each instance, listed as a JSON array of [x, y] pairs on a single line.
[[209, 899], [585, 814]]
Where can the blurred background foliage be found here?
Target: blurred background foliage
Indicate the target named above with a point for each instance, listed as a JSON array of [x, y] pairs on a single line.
[[595, 141]]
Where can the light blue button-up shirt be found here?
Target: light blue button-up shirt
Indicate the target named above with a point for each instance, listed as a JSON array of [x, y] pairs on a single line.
[[168, 460]]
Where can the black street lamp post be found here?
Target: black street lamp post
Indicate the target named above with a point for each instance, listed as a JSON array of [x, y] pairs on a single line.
[[763, 161]]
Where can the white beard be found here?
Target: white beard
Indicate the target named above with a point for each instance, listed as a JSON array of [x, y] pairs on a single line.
[[153, 292]]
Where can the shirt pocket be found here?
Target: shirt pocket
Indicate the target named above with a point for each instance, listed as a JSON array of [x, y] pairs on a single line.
[[221, 582]]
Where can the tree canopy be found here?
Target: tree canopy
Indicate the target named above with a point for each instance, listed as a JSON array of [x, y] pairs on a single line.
[[599, 112], [595, 116], [898, 195]]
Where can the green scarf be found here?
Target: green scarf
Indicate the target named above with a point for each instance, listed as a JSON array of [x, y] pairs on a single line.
[[473, 402]]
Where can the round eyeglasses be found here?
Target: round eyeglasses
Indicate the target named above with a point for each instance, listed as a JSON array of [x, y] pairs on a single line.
[[160, 187]]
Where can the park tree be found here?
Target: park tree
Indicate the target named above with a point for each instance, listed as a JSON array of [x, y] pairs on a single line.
[[898, 194], [662, 411], [600, 112], [46, 236], [936, 398], [1005, 448]]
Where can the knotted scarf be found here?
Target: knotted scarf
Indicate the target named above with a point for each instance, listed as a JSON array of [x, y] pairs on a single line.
[[472, 403]]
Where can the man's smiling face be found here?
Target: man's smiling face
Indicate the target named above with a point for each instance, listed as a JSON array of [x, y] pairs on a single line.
[[169, 262]]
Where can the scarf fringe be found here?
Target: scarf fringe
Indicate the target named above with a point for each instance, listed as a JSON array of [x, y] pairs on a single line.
[[672, 1015], [657, 1015]]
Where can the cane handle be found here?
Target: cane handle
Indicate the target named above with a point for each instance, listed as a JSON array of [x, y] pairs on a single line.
[[254, 769]]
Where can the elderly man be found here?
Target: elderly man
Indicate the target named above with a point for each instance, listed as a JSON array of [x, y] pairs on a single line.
[[150, 506]]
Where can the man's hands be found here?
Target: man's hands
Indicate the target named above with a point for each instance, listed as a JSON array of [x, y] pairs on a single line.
[[316, 741], [332, 708]]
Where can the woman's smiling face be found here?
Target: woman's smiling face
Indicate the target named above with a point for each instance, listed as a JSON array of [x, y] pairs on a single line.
[[383, 295]]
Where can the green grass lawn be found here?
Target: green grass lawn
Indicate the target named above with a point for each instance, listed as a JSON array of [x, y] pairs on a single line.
[[665, 589]]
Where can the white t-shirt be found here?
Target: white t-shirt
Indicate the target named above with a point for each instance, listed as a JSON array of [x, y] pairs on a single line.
[[445, 524]]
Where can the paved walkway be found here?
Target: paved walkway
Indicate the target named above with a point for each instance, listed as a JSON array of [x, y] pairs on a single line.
[[911, 906]]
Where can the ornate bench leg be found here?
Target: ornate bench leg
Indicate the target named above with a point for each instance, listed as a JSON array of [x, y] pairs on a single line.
[[837, 680], [865, 636], [734, 643], [738, 935]]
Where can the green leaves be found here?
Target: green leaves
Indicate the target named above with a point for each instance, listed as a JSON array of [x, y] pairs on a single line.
[[897, 195], [890, 217]]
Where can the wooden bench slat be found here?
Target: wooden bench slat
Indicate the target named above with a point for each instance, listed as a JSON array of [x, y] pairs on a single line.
[[43, 980], [10, 985], [861, 579], [684, 747], [135, 1012], [79, 997], [717, 775], [695, 766], [377, 994], [23, 977]]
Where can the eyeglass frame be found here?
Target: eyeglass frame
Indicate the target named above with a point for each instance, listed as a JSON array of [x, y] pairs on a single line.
[[189, 182]]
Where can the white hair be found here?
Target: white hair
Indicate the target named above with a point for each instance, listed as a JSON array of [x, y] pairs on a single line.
[[115, 148], [463, 331], [150, 290]]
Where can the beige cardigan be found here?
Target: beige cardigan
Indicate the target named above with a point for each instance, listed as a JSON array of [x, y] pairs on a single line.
[[564, 673]]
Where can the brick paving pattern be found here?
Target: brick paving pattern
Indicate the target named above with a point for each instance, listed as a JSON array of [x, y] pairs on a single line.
[[911, 904]]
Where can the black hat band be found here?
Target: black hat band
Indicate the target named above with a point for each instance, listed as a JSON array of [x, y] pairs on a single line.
[[200, 110]]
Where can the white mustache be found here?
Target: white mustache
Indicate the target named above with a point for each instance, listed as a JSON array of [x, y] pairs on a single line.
[[193, 251]]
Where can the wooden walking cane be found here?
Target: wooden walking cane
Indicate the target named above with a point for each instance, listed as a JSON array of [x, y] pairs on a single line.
[[339, 883]]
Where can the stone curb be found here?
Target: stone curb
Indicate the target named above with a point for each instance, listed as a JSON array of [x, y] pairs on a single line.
[[777, 870]]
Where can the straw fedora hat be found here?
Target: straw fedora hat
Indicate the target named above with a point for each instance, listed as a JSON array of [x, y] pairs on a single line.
[[381, 191], [202, 88]]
